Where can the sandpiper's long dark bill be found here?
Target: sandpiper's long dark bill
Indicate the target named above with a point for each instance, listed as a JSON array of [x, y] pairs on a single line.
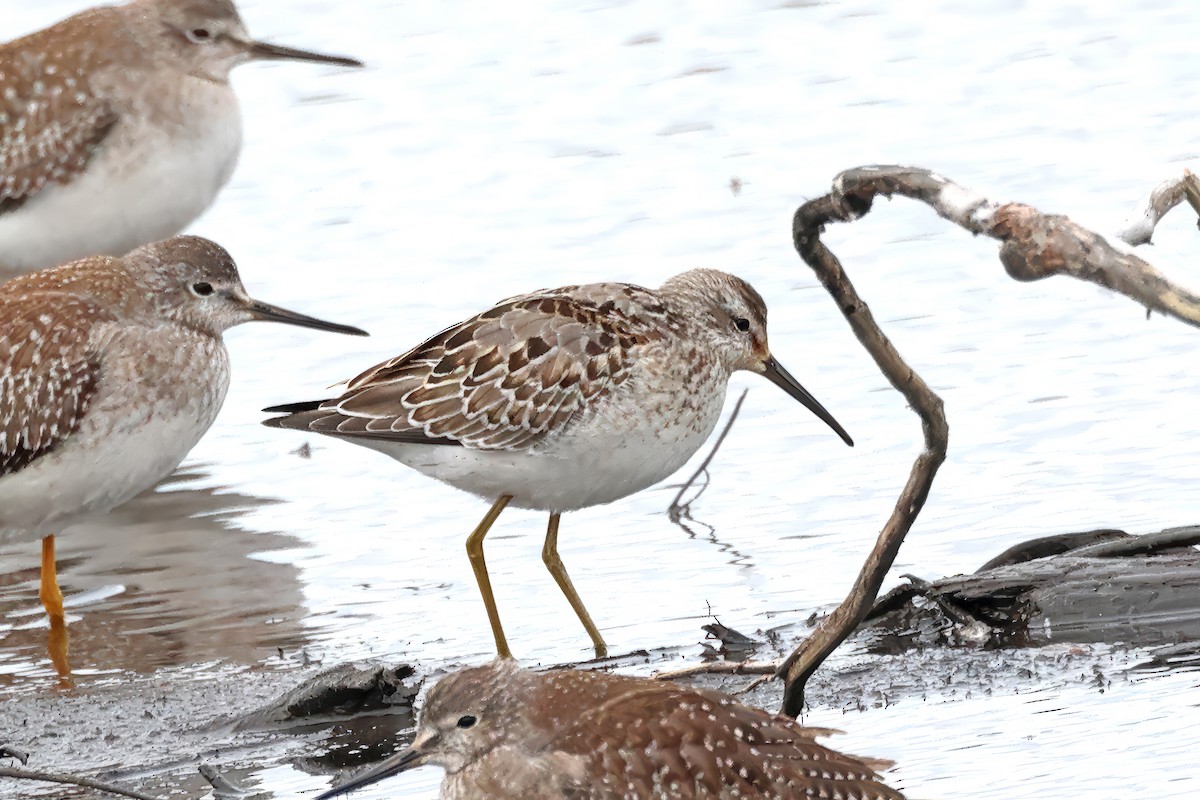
[[269, 313], [773, 371], [560, 399], [505, 733], [265, 51], [111, 370], [118, 126]]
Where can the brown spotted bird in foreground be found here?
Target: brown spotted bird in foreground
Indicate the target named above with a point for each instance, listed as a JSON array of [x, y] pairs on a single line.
[[502, 733]]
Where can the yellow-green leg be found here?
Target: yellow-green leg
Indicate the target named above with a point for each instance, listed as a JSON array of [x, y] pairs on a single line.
[[475, 553], [555, 565], [52, 601]]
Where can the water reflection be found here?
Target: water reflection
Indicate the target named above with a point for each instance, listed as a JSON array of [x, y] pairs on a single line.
[[699, 529], [168, 579]]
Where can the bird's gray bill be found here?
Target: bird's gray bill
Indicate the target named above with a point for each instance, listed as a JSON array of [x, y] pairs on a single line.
[[270, 313], [779, 376], [386, 769], [275, 52]]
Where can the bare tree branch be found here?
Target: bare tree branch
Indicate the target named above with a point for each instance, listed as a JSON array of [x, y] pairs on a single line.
[[72, 780], [1033, 246], [847, 202], [1162, 198]]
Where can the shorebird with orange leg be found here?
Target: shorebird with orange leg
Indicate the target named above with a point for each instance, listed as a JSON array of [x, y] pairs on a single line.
[[560, 400], [111, 370]]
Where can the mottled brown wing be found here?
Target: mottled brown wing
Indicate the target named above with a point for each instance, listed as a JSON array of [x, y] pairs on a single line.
[[50, 126], [502, 379], [683, 744], [47, 374]]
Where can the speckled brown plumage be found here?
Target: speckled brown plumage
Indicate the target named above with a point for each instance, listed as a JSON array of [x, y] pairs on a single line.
[[110, 370], [503, 732], [504, 378], [52, 115], [561, 399], [50, 124], [48, 372], [118, 126]]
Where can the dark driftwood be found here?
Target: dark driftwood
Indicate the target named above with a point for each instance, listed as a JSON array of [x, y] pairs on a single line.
[[342, 689], [1033, 246], [1170, 539], [1092, 584]]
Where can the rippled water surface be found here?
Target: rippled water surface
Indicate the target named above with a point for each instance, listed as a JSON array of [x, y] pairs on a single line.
[[492, 148]]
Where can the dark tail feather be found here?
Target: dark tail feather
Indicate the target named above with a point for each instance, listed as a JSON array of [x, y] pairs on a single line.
[[293, 408], [295, 415]]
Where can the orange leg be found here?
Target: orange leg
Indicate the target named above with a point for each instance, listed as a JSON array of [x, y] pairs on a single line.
[[52, 600]]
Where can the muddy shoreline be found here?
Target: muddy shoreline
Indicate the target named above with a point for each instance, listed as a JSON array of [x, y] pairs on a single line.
[[243, 724]]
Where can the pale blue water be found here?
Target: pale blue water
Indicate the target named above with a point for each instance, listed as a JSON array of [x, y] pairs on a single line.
[[491, 149]]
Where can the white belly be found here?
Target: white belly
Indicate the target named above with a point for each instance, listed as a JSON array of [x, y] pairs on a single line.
[[134, 435], [145, 184], [604, 458]]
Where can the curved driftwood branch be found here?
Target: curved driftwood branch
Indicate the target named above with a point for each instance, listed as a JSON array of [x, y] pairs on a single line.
[[844, 205], [1162, 198], [1033, 246]]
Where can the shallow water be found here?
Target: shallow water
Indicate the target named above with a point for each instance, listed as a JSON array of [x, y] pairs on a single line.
[[489, 150]]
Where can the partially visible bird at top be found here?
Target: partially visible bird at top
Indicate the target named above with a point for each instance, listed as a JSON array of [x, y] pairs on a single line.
[[118, 126], [560, 400], [111, 370]]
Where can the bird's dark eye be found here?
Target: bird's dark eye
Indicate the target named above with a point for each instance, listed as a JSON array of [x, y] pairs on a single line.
[[466, 721], [198, 35], [203, 288], [741, 323]]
